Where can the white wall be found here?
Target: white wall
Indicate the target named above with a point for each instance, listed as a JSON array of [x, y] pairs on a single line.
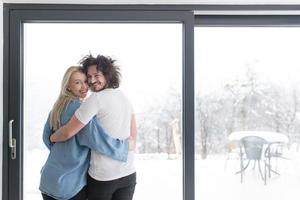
[[107, 2]]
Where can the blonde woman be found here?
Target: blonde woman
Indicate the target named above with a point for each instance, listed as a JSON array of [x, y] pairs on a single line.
[[64, 175], [108, 179]]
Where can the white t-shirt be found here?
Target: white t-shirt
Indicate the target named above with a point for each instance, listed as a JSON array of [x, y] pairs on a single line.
[[113, 111]]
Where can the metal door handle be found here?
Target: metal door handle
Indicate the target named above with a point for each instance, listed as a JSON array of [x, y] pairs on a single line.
[[12, 141]]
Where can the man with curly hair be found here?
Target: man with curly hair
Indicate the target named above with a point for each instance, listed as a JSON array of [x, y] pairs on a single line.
[[108, 179]]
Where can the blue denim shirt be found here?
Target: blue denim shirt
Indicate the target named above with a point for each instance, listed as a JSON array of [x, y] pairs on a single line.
[[64, 173]]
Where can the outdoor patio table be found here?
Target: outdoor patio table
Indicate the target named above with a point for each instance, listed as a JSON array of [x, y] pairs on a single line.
[[272, 138]]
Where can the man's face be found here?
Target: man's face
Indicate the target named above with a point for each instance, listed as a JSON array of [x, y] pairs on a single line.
[[96, 79]]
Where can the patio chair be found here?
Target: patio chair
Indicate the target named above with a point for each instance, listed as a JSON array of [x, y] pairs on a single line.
[[274, 150], [252, 149]]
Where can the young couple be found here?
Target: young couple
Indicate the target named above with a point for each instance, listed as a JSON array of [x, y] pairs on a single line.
[[101, 123]]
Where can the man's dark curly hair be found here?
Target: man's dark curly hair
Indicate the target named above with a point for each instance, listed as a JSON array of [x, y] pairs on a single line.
[[106, 65]]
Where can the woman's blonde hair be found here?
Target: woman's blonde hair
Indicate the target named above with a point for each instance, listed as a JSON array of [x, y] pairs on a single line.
[[64, 97]]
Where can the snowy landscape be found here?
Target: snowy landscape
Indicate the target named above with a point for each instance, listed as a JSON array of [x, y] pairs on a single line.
[[240, 85], [215, 178]]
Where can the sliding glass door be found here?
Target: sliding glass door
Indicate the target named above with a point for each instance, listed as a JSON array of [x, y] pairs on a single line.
[[247, 85], [144, 63], [151, 50]]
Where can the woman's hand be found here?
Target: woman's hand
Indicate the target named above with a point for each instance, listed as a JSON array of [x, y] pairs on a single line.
[[132, 143]]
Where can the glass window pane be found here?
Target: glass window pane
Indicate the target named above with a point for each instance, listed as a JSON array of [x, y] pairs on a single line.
[[247, 84], [150, 58]]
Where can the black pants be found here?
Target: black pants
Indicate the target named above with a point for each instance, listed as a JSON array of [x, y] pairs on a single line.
[[81, 195], [118, 189]]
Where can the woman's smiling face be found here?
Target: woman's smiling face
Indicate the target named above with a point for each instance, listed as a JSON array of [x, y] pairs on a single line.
[[78, 85]]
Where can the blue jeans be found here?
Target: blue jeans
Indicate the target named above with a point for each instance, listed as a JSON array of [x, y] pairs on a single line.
[[118, 189]]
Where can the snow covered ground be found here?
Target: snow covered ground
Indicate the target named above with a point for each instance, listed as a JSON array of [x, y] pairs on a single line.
[[161, 179]]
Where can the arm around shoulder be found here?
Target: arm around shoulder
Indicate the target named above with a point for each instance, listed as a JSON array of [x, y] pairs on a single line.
[[95, 137], [68, 130]]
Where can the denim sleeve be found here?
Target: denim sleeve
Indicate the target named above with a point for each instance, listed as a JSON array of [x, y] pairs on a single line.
[[47, 132], [94, 137], [66, 115], [69, 111]]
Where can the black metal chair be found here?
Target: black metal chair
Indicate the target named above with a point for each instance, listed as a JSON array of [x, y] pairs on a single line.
[[252, 148], [274, 150]]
